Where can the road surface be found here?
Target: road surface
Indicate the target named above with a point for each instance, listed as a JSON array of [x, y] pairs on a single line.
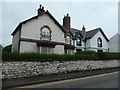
[[108, 80]]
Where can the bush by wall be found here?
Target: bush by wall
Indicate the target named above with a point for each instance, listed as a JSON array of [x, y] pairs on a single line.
[[7, 48], [88, 55]]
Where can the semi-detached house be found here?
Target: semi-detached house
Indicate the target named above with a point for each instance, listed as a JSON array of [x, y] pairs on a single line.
[[43, 33]]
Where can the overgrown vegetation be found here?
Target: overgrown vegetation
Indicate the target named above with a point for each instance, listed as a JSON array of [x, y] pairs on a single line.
[[87, 55]]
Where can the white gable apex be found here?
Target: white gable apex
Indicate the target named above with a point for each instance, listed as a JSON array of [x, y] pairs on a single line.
[[31, 29]]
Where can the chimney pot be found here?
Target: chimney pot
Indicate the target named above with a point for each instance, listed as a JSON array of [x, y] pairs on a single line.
[[67, 14], [42, 8]]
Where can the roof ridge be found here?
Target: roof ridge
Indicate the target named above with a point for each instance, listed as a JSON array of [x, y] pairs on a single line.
[[93, 29]]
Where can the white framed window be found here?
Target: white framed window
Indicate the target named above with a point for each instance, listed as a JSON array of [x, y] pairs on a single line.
[[69, 51], [43, 49], [99, 42], [68, 40], [45, 33], [78, 41], [50, 50], [47, 50]]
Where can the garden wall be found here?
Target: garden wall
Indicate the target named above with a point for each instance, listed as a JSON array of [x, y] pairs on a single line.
[[17, 69]]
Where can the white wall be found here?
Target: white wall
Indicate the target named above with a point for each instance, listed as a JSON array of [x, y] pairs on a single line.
[[93, 41], [80, 47], [114, 43], [28, 47], [59, 49], [32, 29], [15, 42], [88, 44]]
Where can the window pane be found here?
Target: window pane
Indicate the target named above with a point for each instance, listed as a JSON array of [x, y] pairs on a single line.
[[68, 40], [99, 42], [50, 50], [43, 49], [70, 51], [45, 34], [78, 42]]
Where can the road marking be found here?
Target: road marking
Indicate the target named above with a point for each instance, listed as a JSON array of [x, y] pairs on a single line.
[[64, 81]]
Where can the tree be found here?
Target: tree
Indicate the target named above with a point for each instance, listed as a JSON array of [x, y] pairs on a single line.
[[8, 48]]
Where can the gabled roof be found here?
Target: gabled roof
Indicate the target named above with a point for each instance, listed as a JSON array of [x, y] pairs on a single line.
[[35, 17], [89, 34], [74, 30]]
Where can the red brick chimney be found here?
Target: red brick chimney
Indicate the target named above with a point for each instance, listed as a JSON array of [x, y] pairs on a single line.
[[41, 10], [66, 22]]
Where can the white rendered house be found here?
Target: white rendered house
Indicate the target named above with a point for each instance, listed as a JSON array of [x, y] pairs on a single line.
[[93, 40], [43, 33]]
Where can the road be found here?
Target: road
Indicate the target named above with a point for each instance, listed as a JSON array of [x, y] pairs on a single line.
[[108, 80]]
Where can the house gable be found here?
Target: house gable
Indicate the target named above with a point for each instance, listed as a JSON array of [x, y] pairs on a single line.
[[36, 17], [91, 33], [32, 29], [114, 43], [94, 41]]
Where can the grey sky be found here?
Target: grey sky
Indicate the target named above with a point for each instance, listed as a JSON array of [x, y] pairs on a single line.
[[91, 14]]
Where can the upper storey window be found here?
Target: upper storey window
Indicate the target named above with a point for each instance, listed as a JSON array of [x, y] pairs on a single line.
[[45, 33], [78, 41], [68, 40], [99, 42]]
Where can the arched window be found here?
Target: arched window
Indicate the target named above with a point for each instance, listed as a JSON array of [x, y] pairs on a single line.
[[78, 41], [45, 33], [68, 40], [99, 42]]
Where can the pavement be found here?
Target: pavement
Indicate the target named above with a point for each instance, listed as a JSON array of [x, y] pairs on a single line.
[[108, 80], [12, 83]]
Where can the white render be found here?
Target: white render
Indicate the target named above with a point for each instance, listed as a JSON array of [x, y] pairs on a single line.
[[43, 34], [15, 42], [59, 49], [32, 28], [93, 42], [114, 43], [26, 47]]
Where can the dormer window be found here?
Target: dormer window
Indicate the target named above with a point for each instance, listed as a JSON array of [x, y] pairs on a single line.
[[99, 42], [45, 33], [78, 41], [68, 40]]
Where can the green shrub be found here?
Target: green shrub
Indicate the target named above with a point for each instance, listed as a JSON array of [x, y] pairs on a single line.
[[100, 56], [7, 56], [7, 48]]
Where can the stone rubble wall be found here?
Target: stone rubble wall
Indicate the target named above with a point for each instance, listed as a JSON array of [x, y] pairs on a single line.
[[19, 69]]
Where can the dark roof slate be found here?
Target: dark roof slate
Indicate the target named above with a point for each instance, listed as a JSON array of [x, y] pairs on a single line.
[[74, 30], [89, 34]]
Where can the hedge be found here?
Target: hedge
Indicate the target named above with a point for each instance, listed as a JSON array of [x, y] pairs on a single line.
[[7, 56]]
